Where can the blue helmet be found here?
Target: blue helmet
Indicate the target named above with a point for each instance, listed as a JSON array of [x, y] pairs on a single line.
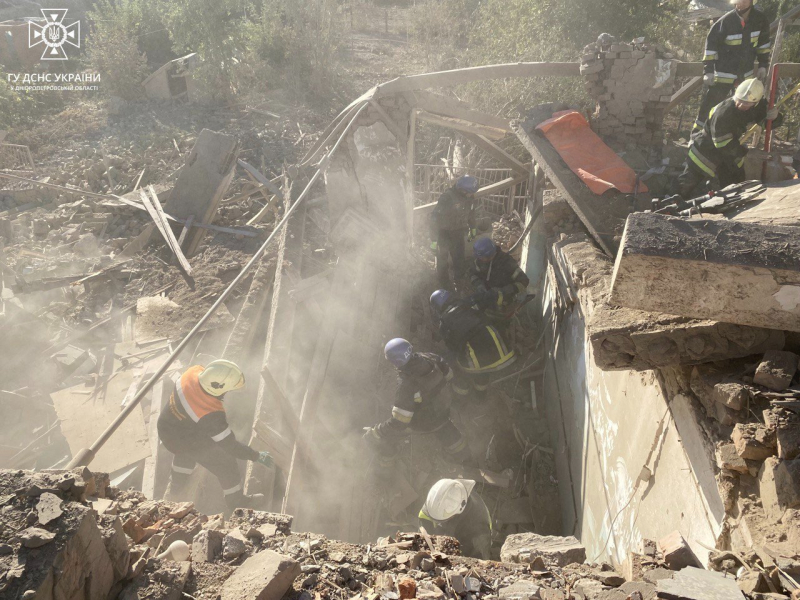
[[439, 300], [467, 183], [398, 352], [484, 249]]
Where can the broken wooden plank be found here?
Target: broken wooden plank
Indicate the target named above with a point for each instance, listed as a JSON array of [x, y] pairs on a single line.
[[186, 227], [259, 177], [471, 74], [391, 124], [151, 462], [499, 154], [153, 207], [461, 125], [203, 180], [456, 109], [259, 216]]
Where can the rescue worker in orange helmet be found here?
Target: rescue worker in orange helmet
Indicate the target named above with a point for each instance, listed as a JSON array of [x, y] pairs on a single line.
[[193, 426]]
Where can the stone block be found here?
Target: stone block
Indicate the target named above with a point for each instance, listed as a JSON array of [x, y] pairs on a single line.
[[206, 545], [787, 435], [731, 394], [266, 575], [779, 486], [754, 441], [677, 553], [525, 547], [520, 590], [234, 544], [728, 458], [647, 591], [776, 370], [724, 270]]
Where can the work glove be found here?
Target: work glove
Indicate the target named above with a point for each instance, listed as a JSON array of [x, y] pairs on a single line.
[[761, 73], [708, 79], [434, 246], [265, 458], [772, 113], [473, 233]]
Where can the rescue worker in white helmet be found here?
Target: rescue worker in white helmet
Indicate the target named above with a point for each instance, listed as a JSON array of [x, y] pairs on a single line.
[[479, 348], [455, 509], [715, 150], [734, 44], [421, 405], [193, 426]]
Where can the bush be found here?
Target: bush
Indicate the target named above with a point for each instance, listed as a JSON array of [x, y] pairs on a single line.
[[113, 49], [441, 31]]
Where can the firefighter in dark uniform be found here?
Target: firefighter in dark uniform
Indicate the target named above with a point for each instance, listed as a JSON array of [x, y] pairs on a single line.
[[479, 348], [715, 151], [498, 281], [452, 218], [193, 426], [421, 405], [455, 509], [733, 45]]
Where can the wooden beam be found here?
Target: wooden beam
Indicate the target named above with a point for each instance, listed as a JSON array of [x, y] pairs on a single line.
[[259, 216], [463, 126], [498, 153], [390, 123], [186, 227], [150, 474], [260, 178], [471, 74], [156, 213], [455, 109], [496, 188]]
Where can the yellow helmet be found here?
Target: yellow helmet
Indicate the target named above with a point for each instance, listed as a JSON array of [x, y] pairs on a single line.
[[221, 377], [750, 90]]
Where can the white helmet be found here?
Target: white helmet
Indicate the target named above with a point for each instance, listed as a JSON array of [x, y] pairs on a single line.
[[448, 498], [221, 377], [750, 90]]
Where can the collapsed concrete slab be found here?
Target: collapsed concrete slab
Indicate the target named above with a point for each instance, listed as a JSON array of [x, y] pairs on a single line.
[[743, 273], [525, 547], [625, 338], [698, 584]]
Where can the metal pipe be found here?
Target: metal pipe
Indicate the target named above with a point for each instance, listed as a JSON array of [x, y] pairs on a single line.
[[85, 456]]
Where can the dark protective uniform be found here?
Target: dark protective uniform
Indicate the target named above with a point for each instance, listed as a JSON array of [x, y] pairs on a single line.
[[503, 275], [472, 528], [479, 347], [715, 150], [451, 218], [732, 47], [193, 426], [421, 405]]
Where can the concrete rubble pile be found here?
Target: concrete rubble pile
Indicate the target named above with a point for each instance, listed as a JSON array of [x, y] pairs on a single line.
[[69, 534], [633, 84]]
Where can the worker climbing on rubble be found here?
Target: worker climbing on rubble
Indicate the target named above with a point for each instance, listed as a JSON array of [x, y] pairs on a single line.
[[498, 281], [733, 44], [452, 219], [479, 349], [715, 150], [421, 404], [455, 509], [193, 426]]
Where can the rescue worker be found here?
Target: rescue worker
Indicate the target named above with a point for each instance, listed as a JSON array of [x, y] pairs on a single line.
[[421, 404], [456, 510], [498, 281], [452, 218], [193, 426], [715, 151], [479, 348], [733, 44]]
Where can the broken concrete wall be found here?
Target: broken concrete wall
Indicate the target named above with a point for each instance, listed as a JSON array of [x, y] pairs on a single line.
[[611, 425], [633, 84]]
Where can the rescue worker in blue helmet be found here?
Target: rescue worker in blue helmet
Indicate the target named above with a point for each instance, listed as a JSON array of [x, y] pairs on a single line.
[[498, 281], [421, 404], [452, 219], [479, 348], [193, 426], [455, 509]]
